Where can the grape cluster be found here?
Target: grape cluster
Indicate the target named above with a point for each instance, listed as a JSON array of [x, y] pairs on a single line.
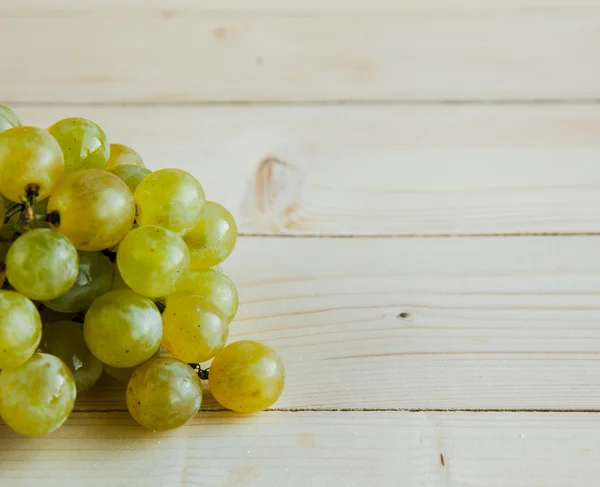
[[107, 267]]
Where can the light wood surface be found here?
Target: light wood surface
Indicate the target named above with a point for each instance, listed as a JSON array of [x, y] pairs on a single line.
[[324, 449], [417, 184], [127, 56], [375, 170]]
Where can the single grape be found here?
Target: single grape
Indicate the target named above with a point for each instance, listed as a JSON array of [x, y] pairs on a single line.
[[132, 176], [20, 329], [122, 328], [211, 284], [118, 282], [152, 260], [95, 209], [246, 376], [94, 279], [119, 373], [83, 144], [8, 119], [64, 340], [29, 158], [42, 264], [37, 396], [170, 198], [163, 394], [194, 329], [121, 155], [213, 238]]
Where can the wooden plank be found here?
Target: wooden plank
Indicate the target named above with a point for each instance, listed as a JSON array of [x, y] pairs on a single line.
[[325, 449], [542, 54], [435, 323], [377, 170], [293, 6]]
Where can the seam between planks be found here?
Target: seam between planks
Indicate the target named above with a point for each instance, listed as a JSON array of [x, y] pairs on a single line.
[[373, 410]]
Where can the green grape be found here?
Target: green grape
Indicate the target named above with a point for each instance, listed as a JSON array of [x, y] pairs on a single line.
[[94, 279], [122, 328], [213, 238], [64, 340], [132, 176], [29, 158], [121, 155], [8, 119], [194, 329], [95, 209], [163, 394], [246, 377], [211, 284], [83, 144], [170, 198], [37, 396], [50, 316], [152, 260], [42, 264], [118, 282], [119, 373], [20, 329], [40, 208]]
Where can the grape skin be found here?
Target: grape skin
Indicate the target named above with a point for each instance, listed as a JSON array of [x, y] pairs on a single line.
[[194, 329], [20, 329], [8, 119], [42, 264], [95, 209], [163, 394], [246, 377], [152, 260], [132, 176], [64, 340], [171, 198], [211, 284], [37, 396], [213, 239], [95, 278], [29, 156], [122, 328], [83, 144], [122, 155]]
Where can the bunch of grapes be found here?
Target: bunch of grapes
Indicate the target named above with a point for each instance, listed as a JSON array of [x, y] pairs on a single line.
[[108, 267]]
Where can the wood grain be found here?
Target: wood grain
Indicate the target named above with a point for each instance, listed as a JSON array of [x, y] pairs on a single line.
[[436, 323], [127, 56], [378, 170], [323, 449]]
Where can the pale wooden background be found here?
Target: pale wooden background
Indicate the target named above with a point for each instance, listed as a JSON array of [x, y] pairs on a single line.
[[438, 162]]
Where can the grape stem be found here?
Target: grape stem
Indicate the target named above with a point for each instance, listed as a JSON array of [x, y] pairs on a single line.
[[202, 373]]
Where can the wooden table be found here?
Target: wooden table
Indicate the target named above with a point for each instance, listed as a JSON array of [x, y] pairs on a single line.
[[417, 185]]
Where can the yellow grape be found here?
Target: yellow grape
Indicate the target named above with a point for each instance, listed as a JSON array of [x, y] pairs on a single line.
[[170, 198], [194, 329], [8, 119], [83, 143], [246, 376], [122, 328], [121, 155], [94, 209], [29, 157], [213, 238], [64, 339], [132, 176], [37, 396], [42, 264], [20, 329], [163, 394], [211, 284], [152, 260]]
